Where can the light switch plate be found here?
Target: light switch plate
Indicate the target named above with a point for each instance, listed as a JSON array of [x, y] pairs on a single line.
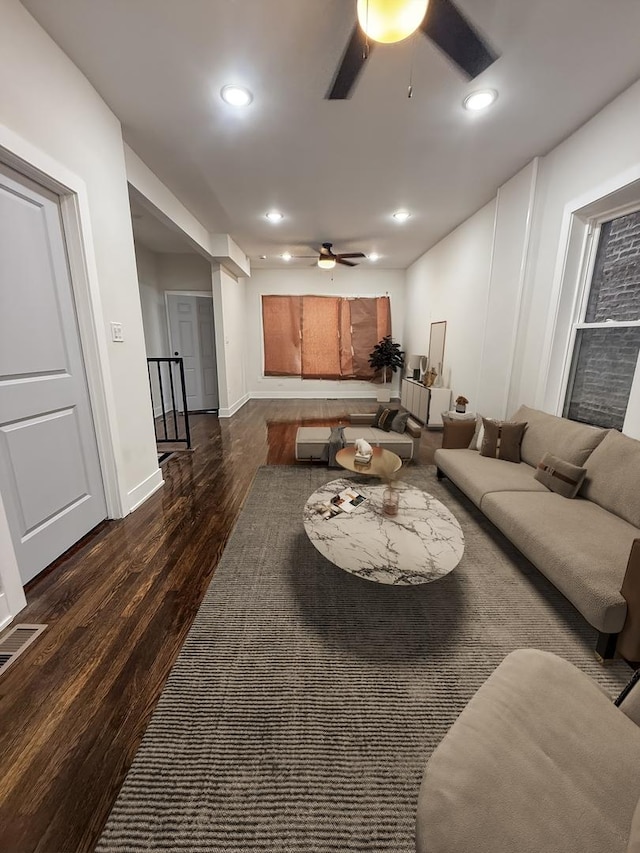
[[117, 335]]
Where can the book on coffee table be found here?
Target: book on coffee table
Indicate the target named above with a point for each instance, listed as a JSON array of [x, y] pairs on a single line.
[[347, 500]]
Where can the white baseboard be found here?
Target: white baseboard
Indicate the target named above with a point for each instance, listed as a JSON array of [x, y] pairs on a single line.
[[313, 395], [145, 489], [231, 410]]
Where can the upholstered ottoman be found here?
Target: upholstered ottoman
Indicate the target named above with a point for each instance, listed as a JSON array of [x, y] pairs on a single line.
[[312, 444]]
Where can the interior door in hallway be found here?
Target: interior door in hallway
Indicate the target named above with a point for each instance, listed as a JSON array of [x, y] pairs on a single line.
[[50, 474], [192, 337]]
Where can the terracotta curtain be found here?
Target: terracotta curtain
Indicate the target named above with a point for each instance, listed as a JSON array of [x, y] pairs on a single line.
[[281, 325], [370, 322], [322, 337]]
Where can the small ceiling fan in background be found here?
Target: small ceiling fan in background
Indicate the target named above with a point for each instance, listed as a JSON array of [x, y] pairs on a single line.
[[326, 258], [442, 23]]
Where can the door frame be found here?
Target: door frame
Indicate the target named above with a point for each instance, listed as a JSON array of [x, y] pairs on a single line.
[[23, 157]]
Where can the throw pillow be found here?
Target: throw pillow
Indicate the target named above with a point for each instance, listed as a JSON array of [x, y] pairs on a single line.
[[478, 435], [502, 439], [399, 423], [561, 477], [384, 418]]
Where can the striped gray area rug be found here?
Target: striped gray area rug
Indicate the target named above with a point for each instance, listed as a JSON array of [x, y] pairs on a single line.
[[305, 702]]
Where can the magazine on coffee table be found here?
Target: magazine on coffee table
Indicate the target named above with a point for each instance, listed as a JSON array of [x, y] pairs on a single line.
[[348, 499], [345, 501]]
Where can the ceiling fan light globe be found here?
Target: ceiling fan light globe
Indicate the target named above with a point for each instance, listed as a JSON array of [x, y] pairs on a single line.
[[326, 263], [389, 21]]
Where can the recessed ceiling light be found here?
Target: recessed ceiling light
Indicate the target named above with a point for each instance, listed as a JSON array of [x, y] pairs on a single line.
[[374, 256], [286, 256], [274, 216], [480, 100], [237, 96], [263, 257], [401, 215]]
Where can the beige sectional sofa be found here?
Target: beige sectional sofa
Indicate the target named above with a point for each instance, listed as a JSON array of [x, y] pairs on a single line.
[[540, 761], [312, 442], [588, 546]]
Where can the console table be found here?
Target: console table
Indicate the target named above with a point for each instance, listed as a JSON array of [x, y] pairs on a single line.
[[425, 404]]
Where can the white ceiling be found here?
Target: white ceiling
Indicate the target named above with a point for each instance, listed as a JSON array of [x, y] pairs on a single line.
[[338, 169]]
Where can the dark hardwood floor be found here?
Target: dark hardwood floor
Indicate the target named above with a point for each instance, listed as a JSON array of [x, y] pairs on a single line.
[[119, 604]]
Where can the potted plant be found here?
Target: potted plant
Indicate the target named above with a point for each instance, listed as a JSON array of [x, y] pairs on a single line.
[[461, 404], [385, 356]]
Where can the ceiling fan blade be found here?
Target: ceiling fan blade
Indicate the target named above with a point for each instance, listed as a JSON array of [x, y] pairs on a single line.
[[353, 59], [351, 255], [445, 25], [340, 260]]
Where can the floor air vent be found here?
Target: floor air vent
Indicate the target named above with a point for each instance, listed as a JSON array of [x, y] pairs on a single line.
[[15, 642]]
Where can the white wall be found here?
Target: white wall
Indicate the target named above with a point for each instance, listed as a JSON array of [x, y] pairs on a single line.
[[154, 316], [311, 280], [232, 339], [159, 272], [49, 103], [451, 282], [594, 156], [501, 357], [514, 211], [53, 119], [184, 272]]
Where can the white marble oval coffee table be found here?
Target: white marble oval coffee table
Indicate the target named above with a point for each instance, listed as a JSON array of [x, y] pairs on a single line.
[[422, 543]]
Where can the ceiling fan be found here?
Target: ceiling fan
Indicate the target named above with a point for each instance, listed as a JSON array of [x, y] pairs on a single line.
[[327, 258], [443, 23]]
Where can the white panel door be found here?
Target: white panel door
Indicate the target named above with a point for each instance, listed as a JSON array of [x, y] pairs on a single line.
[[207, 348], [50, 475], [192, 338], [183, 330]]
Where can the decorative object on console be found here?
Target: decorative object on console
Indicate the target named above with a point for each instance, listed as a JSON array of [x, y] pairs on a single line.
[[430, 378], [502, 439], [414, 363], [386, 355], [461, 404]]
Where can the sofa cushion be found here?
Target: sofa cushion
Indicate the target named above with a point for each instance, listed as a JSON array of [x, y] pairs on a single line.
[[384, 418], [580, 547], [478, 475], [399, 422], [402, 445], [566, 439], [613, 475], [559, 476], [312, 442], [502, 439], [540, 761]]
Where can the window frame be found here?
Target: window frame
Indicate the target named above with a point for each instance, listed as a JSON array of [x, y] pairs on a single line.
[[581, 298]]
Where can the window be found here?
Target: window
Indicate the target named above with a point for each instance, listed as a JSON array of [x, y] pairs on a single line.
[[607, 336], [322, 337]]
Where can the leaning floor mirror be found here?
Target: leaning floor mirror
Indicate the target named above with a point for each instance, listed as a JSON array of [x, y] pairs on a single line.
[[436, 352]]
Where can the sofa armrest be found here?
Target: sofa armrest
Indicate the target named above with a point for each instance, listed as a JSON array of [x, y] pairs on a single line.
[[629, 700], [414, 429], [629, 638], [362, 419]]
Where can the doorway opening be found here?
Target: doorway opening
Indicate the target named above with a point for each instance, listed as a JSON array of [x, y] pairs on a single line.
[[176, 298]]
